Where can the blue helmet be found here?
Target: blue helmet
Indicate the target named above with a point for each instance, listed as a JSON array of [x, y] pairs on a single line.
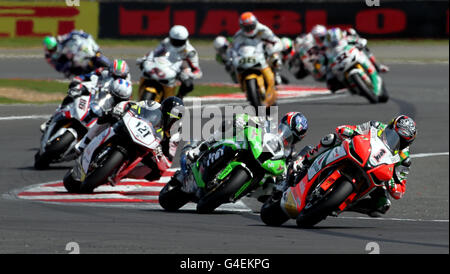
[[298, 124]]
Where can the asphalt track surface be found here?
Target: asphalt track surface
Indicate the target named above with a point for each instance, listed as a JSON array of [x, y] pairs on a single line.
[[418, 223]]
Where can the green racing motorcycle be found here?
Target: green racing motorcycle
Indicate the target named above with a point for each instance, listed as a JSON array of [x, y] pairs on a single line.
[[228, 169]]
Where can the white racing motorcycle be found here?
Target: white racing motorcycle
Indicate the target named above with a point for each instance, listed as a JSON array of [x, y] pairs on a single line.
[[67, 126], [352, 68], [158, 80], [116, 151]]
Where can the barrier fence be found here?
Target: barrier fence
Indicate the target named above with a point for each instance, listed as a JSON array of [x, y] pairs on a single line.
[[137, 20]]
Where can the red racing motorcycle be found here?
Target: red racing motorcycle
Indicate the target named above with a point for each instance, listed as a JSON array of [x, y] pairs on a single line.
[[337, 179]]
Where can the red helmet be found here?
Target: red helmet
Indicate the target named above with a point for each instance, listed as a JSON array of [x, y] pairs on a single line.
[[248, 23]]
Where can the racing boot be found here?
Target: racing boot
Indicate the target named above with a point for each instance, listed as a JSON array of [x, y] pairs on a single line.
[[375, 206], [379, 67]]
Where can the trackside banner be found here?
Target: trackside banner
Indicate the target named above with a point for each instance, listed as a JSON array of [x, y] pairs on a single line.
[[413, 19], [38, 19]]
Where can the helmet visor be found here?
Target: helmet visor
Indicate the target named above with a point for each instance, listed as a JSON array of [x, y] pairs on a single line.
[[177, 43], [286, 135], [248, 27]]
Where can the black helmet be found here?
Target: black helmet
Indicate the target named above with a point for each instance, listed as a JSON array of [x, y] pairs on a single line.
[[172, 109], [298, 123], [405, 128]]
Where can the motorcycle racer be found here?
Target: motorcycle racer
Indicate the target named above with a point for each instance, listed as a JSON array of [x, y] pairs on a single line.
[[157, 163], [294, 122], [223, 55], [353, 38], [102, 77], [121, 90], [178, 47], [253, 32], [106, 76], [311, 58], [378, 202], [74, 53]]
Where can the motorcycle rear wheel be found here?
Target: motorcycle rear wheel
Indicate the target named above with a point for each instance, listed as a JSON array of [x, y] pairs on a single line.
[[100, 175], [211, 201], [319, 211], [57, 147]]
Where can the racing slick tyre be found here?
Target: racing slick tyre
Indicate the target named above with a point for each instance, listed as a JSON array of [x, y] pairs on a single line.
[[272, 214], [106, 167], [384, 97], [238, 177], [319, 211], [171, 197], [253, 95], [54, 149], [365, 91], [71, 185]]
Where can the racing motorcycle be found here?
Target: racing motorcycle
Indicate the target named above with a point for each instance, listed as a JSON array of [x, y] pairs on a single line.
[[115, 151], [68, 126], [337, 179], [228, 170], [84, 56], [352, 68], [158, 78], [248, 62]]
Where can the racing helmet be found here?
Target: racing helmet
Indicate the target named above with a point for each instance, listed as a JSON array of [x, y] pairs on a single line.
[[298, 124], [50, 43], [121, 89], [248, 23], [178, 36], [333, 37], [319, 32], [119, 69], [221, 44], [287, 45], [172, 109], [405, 128]]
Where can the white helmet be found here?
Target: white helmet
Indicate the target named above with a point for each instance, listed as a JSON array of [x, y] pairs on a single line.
[[221, 43], [121, 89], [178, 36], [319, 32]]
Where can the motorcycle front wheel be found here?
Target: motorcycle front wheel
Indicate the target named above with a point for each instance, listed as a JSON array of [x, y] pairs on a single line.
[[272, 214], [365, 91], [107, 166], [253, 94], [319, 211], [238, 177]]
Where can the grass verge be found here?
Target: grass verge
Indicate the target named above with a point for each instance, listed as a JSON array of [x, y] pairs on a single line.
[[45, 87]]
